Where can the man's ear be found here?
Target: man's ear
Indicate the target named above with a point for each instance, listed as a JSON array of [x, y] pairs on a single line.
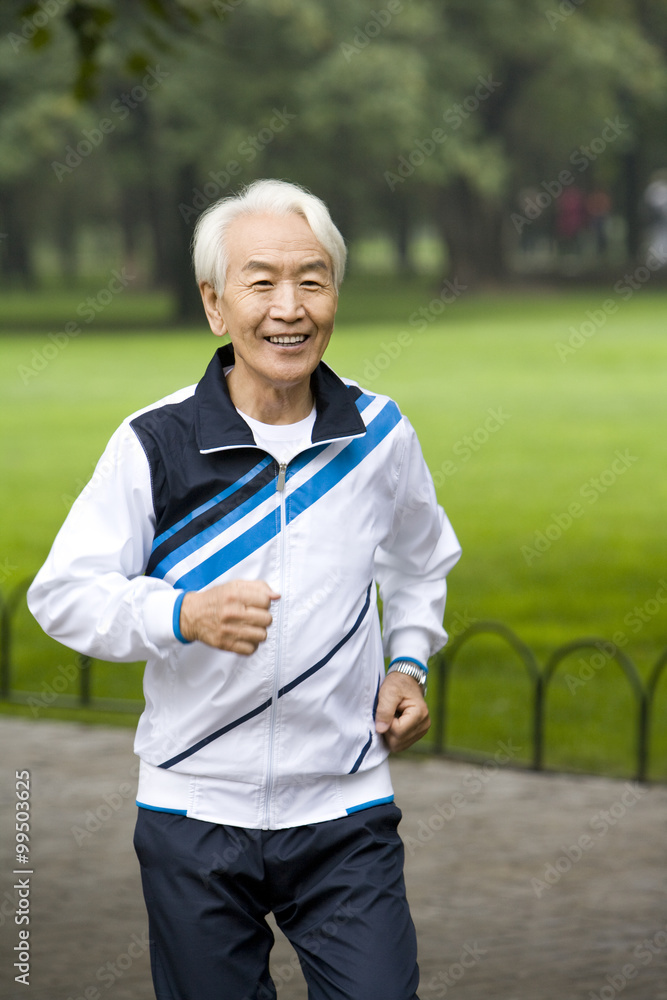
[[211, 302]]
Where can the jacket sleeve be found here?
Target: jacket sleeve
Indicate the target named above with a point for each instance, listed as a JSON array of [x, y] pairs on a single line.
[[413, 562], [91, 593]]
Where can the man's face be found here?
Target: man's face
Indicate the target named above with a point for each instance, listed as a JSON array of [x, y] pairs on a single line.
[[279, 301]]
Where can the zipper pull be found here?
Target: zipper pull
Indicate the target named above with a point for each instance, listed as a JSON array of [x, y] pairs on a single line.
[[282, 469]]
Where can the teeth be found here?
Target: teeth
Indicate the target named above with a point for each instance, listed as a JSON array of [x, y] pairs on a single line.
[[284, 339]]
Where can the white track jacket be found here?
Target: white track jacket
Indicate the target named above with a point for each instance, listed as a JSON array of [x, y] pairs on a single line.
[[183, 499]]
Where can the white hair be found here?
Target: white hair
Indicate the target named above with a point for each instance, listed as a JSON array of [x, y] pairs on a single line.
[[264, 197]]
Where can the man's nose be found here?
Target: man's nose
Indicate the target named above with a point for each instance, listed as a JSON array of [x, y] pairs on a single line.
[[286, 303]]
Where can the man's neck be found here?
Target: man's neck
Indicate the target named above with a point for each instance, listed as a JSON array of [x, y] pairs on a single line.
[[274, 405]]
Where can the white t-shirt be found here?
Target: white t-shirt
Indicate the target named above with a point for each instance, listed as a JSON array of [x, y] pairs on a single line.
[[283, 441]]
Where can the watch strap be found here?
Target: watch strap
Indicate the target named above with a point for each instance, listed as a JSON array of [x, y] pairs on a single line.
[[411, 668]]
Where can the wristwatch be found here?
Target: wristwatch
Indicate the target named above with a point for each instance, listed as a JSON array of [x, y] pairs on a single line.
[[412, 669]]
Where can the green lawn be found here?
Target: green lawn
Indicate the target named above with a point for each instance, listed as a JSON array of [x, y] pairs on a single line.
[[552, 472]]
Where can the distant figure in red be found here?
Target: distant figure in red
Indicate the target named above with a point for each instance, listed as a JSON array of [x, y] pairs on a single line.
[[598, 208], [571, 217]]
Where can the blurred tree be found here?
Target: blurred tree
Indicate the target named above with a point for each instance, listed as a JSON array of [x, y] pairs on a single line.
[[397, 113]]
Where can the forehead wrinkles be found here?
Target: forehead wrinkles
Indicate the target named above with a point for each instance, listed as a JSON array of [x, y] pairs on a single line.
[[278, 241]]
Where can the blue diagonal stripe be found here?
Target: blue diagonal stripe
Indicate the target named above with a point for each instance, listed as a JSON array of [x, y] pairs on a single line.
[[213, 530], [363, 401], [211, 503], [222, 561], [303, 497], [346, 460]]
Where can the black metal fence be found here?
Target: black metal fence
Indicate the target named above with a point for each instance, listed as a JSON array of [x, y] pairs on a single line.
[[643, 694], [440, 669]]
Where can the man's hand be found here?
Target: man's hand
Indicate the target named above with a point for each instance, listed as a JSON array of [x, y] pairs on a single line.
[[402, 714], [232, 616]]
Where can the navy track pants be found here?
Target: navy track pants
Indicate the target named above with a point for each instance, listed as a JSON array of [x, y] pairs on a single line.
[[336, 890]]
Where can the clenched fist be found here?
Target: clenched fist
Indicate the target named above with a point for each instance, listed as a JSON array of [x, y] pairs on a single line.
[[233, 616]]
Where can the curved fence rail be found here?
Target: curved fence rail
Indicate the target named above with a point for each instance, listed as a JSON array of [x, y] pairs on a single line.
[[441, 667], [642, 694]]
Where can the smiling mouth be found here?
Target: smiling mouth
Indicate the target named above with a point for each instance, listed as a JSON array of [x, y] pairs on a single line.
[[283, 338]]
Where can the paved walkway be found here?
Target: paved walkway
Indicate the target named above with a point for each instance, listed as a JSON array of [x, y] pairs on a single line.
[[523, 886]]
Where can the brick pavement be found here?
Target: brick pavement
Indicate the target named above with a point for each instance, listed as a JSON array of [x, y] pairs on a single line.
[[522, 886]]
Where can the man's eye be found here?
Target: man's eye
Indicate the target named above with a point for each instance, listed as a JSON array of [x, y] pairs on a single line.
[[311, 284], [263, 283]]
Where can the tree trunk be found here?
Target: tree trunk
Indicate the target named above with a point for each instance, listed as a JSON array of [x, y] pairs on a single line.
[[188, 299], [402, 234], [15, 259], [632, 201], [472, 229]]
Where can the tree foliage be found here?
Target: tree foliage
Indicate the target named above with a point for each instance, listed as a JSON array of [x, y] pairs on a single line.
[[415, 111]]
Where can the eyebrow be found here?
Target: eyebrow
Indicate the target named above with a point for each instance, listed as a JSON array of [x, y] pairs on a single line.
[[261, 265]]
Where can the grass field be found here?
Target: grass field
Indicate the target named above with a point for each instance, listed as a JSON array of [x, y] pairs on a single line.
[[542, 420]]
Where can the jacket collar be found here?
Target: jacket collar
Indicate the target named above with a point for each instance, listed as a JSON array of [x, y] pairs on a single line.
[[219, 425]]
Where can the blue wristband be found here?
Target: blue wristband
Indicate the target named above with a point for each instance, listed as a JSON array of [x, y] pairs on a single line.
[[409, 659], [176, 620]]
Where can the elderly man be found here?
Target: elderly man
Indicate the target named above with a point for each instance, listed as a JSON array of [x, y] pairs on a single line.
[[235, 545]]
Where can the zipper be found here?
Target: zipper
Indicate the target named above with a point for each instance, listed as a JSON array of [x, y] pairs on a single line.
[[280, 488], [280, 485]]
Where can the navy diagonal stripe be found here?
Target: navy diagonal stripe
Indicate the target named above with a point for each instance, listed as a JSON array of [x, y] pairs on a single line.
[[332, 652], [203, 508], [367, 746], [295, 466], [303, 497], [377, 698], [217, 734], [213, 530], [288, 687]]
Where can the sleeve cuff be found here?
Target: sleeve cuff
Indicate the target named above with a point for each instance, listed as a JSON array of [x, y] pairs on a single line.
[[176, 619], [162, 608], [408, 659], [410, 644]]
